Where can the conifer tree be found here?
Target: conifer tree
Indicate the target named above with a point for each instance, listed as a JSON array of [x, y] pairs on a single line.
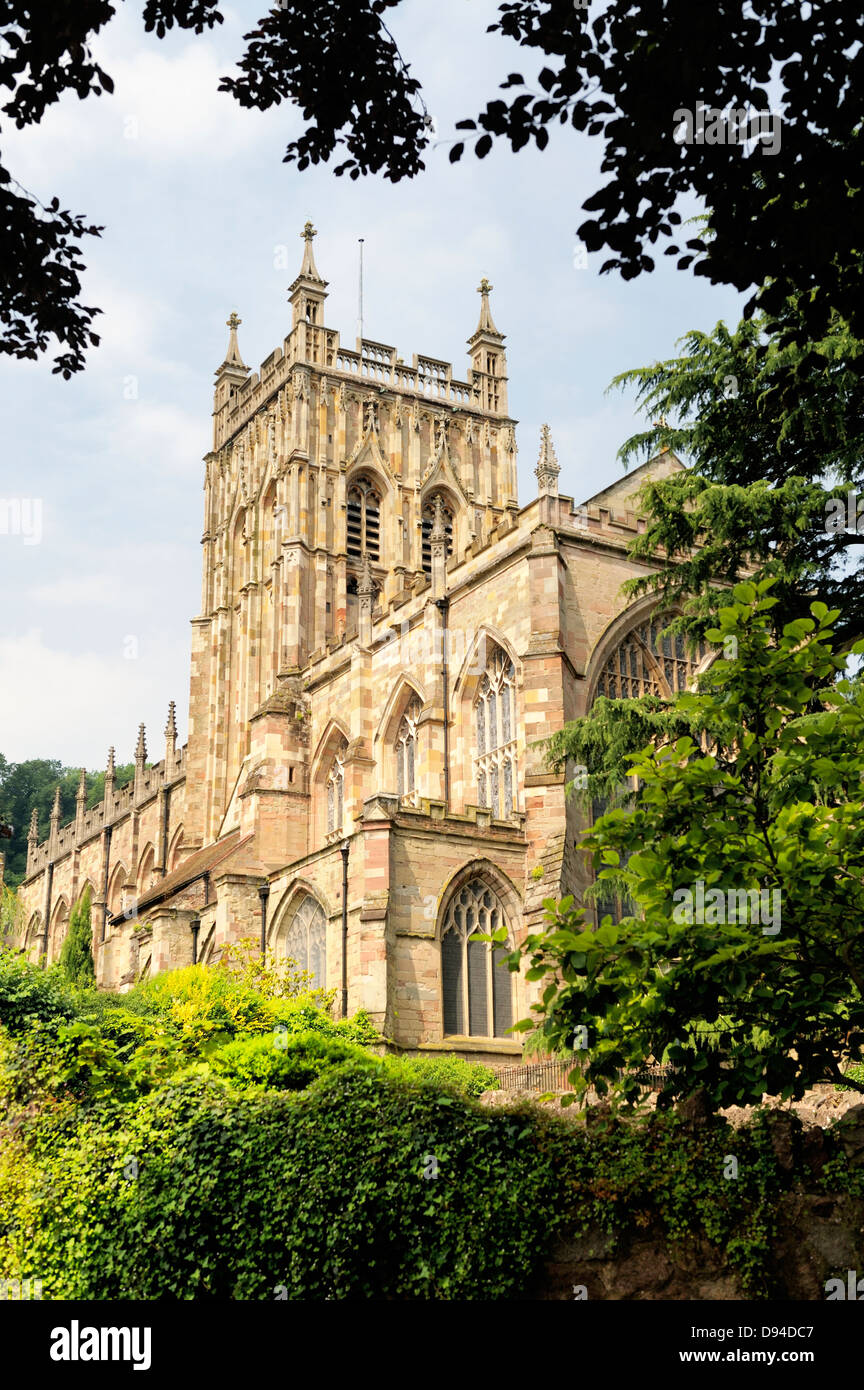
[[76, 957]]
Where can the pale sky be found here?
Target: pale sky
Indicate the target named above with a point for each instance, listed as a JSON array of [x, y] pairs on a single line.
[[197, 208]]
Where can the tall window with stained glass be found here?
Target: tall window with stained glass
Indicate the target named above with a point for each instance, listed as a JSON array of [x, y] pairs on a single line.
[[495, 764], [477, 987], [306, 941]]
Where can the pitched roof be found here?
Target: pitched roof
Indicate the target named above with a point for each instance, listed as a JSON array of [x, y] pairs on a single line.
[[195, 867]]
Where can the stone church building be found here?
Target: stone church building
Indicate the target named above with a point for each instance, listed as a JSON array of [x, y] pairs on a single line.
[[385, 638]]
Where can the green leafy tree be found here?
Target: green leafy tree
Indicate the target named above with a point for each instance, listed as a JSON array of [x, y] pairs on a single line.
[[123, 774], [11, 917], [32, 783], [614, 72], [76, 956], [772, 431], [742, 853], [24, 786]]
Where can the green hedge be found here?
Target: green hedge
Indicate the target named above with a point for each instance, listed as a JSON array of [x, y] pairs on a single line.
[[146, 1155], [196, 1191]]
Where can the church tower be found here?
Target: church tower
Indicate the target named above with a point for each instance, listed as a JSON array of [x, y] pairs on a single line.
[[330, 471]]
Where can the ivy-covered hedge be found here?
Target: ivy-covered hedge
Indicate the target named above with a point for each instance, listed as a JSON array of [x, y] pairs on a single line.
[[196, 1191], [28, 995], [260, 1165]]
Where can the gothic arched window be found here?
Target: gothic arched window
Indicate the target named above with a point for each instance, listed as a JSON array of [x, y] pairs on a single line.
[[478, 992], [646, 663], [428, 522], [406, 749], [363, 520], [336, 790], [306, 940], [495, 723]]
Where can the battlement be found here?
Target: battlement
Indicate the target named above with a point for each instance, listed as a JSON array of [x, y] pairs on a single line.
[[311, 344], [89, 823]]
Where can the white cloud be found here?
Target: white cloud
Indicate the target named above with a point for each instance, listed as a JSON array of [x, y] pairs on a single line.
[[107, 590], [160, 437], [165, 109], [72, 705]]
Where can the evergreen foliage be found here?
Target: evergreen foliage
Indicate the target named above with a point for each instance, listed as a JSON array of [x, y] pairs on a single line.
[[76, 955]]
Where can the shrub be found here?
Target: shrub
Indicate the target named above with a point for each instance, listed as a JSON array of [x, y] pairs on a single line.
[[52, 1061], [29, 995], [468, 1078], [302, 1015], [204, 1004], [278, 1061]]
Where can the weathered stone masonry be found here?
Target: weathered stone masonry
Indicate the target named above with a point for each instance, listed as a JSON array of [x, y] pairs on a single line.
[[384, 637]]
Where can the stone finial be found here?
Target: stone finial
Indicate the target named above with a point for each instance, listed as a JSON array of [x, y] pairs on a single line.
[[487, 323], [547, 469], [141, 748], [438, 544], [233, 361], [55, 809], [170, 740], [439, 524], [366, 585], [309, 269], [33, 832], [109, 781], [80, 804]]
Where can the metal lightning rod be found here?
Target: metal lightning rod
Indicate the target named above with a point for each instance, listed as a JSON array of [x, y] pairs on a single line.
[[361, 240]]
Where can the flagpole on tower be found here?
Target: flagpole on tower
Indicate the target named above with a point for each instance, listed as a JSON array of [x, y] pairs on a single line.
[[361, 239]]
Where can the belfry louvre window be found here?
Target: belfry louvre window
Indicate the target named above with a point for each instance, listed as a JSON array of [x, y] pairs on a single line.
[[363, 521], [478, 992], [406, 749], [647, 664], [306, 941], [428, 521], [495, 722], [336, 790]]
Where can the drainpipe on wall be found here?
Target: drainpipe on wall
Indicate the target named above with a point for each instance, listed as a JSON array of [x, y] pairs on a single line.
[[195, 924], [48, 888], [108, 830], [344, 851], [443, 605], [164, 831], [263, 895]]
